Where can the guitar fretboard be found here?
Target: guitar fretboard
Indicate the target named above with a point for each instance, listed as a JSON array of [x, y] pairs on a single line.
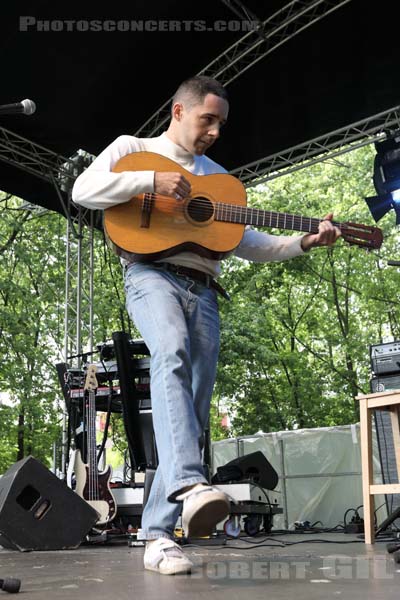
[[93, 474], [265, 218]]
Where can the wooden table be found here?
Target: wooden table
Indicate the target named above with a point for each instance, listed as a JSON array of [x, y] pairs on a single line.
[[390, 401]]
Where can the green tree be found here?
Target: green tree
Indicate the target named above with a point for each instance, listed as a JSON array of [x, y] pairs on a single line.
[[31, 280], [295, 337]]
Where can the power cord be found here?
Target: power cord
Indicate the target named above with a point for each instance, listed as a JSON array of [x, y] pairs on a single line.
[[356, 524]]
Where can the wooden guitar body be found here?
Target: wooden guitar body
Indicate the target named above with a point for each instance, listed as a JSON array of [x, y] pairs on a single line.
[[175, 226], [92, 486], [100, 499]]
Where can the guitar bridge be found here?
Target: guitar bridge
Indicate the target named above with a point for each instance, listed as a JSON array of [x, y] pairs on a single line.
[[147, 207]]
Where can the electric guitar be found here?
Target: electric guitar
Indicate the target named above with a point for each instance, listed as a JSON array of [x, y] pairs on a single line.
[[92, 486], [210, 222]]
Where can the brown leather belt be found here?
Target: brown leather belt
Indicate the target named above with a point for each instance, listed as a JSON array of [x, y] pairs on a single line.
[[196, 275]]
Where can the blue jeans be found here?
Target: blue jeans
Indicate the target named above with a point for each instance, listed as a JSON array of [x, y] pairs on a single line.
[[179, 322]]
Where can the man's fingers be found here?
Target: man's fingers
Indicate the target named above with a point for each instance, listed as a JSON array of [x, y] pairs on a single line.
[[182, 189], [171, 184], [328, 233], [327, 225]]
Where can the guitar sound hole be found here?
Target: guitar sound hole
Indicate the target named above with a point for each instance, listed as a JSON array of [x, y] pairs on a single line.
[[200, 209]]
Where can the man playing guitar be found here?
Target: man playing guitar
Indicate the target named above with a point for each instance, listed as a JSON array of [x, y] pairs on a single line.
[[171, 294]]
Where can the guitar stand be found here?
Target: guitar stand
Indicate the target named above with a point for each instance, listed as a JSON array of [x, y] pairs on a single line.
[[97, 537], [10, 584]]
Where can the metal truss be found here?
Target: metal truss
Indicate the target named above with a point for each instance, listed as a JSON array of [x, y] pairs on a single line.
[[79, 261], [43, 163], [32, 157], [78, 309], [319, 149], [266, 37]]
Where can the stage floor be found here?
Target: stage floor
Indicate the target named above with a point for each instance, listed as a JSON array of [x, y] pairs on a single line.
[[301, 566]]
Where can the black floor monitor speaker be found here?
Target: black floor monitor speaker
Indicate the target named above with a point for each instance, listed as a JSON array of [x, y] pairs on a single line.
[[38, 511], [252, 467]]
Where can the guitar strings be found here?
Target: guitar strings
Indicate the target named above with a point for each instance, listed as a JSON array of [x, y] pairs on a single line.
[[209, 210], [356, 233], [91, 424], [203, 205]]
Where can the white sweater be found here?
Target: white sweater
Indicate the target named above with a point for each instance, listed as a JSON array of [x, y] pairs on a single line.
[[99, 188]]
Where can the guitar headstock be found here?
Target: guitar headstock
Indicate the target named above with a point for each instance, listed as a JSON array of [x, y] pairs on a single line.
[[366, 236], [91, 383]]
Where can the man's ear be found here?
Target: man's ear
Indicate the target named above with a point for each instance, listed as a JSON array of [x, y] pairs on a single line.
[[177, 111]]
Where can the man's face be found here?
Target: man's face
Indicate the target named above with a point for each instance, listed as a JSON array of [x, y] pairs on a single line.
[[199, 126]]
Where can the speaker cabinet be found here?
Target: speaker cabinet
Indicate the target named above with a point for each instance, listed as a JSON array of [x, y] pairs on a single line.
[[385, 383], [251, 467], [38, 511]]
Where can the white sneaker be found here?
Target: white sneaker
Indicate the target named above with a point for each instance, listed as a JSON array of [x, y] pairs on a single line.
[[203, 507], [166, 557]]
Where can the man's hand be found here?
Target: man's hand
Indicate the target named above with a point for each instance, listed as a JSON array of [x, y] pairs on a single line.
[[171, 184], [326, 236]]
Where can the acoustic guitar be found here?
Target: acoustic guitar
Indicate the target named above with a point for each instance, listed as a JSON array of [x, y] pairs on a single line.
[[92, 486], [210, 222]]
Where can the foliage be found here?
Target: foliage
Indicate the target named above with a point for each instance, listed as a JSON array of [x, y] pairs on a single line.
[[31, 284], [296, 336], [32, 303]]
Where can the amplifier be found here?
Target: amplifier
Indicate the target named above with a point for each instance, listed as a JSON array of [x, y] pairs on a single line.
[[385, 384], [385, 358]]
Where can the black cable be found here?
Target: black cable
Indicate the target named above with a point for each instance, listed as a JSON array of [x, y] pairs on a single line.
[[345, 514], [376, 510], [121, 305], [265, 494], [69, 427], [385, 474], [309, 530], [314, 524], [280, 543]]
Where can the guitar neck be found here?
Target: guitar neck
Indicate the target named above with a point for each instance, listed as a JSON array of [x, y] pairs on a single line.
[[91, 445], [244, 215]]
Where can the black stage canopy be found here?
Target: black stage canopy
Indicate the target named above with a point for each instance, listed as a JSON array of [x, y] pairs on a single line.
[[97, 71]]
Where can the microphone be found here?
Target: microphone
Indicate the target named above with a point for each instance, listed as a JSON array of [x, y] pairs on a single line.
[[25, 107]]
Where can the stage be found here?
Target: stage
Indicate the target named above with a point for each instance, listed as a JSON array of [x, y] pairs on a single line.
[[300, 565]]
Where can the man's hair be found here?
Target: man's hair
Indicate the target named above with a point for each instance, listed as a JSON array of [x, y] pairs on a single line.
[[194, 90]]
